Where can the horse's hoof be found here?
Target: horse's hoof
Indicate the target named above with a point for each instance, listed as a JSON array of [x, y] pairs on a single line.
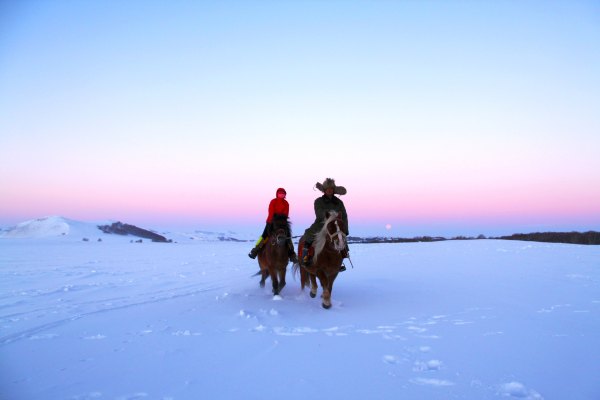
[[262, 284], [326, 306], [313, 295]]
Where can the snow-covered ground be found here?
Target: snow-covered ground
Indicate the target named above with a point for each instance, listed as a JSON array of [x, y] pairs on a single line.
[[479, 319]]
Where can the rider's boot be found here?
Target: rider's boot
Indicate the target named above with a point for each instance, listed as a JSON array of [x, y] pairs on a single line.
[[257, 246], [345, 254], [253, 253], [346, 251], [292, 252]]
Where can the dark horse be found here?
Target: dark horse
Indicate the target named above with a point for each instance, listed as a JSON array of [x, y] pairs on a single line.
[[329, 245], [274, 257]]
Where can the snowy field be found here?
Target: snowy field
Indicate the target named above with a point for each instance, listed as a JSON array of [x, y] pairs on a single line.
[[479, 319]]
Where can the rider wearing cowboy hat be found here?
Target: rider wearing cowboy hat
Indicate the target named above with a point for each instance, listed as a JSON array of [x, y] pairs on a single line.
[[327, 202]]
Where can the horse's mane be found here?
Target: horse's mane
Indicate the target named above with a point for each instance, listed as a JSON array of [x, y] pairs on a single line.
[[280, 221], [321, 236]]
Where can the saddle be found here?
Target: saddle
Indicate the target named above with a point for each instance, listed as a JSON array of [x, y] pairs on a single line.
[[311, 251]]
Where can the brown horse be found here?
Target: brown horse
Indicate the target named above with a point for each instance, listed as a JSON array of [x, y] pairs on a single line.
[[329, 246], [274, 257]]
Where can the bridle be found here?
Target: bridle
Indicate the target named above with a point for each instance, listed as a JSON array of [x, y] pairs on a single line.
[[338, 238], [279, 238]]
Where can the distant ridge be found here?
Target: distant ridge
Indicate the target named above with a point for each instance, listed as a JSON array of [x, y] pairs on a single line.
[[56, 226], [378, 239], [590, 237], [587, 238]]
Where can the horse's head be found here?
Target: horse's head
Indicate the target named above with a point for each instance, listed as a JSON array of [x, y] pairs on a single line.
[[334, 225], [331, 236], [279, 229]]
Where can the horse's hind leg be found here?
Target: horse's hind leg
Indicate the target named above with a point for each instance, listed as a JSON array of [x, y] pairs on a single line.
[[313, 286], [304, 278], [263, 278]]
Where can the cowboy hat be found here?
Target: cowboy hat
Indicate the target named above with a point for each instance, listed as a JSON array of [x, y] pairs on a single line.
[[330, 183]]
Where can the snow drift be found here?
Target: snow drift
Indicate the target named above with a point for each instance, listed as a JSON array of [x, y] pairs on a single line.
[[478, 319]]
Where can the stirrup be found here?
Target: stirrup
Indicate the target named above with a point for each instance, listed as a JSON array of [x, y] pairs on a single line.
[[306, 259], [342, 268]]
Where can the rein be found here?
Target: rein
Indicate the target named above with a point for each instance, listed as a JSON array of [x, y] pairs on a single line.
[[324, 237], [341, 238], [338, 232], [277, 237]]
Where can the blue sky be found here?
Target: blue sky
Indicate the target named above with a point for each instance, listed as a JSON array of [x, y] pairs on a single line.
[[438, 117]]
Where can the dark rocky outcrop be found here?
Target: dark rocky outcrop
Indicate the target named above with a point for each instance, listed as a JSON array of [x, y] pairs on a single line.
[[119, 228]]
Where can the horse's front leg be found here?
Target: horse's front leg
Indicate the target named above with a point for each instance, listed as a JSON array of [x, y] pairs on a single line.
[[275, 282], [331, 279], [326, 291], [326, 299], [282, 273]]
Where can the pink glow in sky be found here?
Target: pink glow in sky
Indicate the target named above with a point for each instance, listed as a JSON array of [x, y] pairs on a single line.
[[450, 116]]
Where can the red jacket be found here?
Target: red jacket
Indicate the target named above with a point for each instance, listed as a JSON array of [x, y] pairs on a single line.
[[278, 206]]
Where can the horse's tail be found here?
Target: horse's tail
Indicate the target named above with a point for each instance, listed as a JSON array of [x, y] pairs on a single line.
[[295, 269], [303, 275], [304, 279]]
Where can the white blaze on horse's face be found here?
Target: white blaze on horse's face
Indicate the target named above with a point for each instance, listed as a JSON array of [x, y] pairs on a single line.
[[280, 237], [337, 237], [338, 242]]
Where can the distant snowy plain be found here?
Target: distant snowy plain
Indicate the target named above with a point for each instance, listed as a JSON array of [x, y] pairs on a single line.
[[111, 319]]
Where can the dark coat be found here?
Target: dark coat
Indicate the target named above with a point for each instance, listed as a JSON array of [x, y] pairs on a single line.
[[322, 205]]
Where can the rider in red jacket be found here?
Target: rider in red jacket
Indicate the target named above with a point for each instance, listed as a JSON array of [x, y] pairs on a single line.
[[278, 205]]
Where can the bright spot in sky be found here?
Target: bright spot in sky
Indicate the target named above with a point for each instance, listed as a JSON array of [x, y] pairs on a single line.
[[388, 226]]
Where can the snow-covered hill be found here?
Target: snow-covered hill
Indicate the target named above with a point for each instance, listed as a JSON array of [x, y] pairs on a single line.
[[61, 227], [52, 226]]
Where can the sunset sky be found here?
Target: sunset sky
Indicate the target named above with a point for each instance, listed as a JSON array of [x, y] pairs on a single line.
[[439, 117]]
